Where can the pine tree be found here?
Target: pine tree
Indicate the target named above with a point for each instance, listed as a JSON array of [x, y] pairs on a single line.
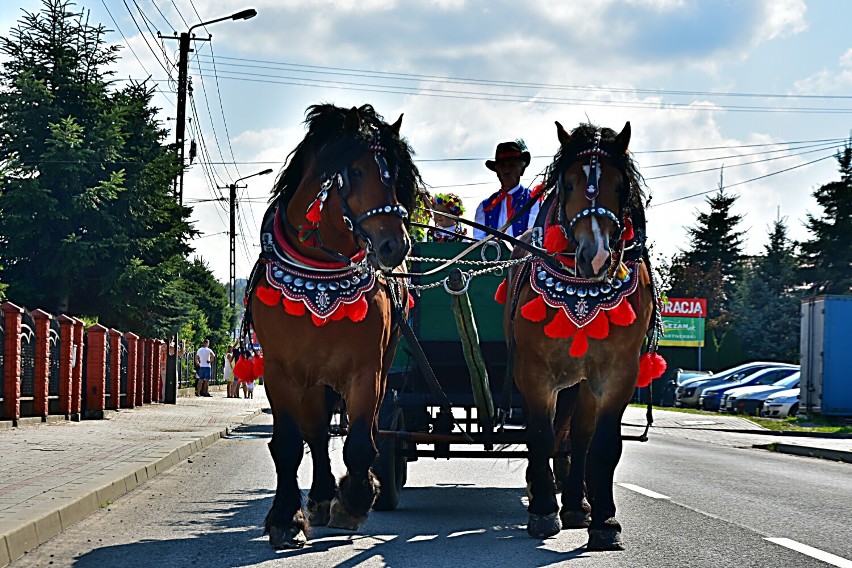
[[826, 260], [767, 303], [712, 265]]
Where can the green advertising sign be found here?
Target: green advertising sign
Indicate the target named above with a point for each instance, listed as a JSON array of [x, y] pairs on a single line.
[[683, 332], [683, 322]]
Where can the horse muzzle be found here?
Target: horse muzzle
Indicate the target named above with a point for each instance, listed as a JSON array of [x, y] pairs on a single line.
[[389, 252]]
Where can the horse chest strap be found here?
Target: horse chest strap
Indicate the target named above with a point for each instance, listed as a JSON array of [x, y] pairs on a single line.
[[322, 294]]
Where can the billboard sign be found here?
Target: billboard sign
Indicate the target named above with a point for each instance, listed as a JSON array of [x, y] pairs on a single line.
[[683, 322]]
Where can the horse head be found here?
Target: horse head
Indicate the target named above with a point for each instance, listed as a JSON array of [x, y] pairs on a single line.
[[357, 184], [593, 187]]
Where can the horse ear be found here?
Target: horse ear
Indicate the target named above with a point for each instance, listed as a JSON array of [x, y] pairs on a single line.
[[564, 137], [398, 124], [623, 138], [352, 121]]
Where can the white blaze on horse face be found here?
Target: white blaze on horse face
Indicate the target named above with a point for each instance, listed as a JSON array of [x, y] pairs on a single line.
[[597, 181], [601, 254]]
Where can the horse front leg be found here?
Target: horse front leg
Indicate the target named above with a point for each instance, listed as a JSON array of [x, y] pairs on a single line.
[[604, 454], [317, 408], [358, 488], [577, 405], [539, 408], [286, 523]]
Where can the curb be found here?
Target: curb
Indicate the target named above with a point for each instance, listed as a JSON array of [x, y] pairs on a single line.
[[807, 451], [15, 541]]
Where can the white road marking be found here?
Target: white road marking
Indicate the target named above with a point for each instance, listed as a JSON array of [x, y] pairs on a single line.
[[826, 557], [465, 533], [422, 537], [643, 491]]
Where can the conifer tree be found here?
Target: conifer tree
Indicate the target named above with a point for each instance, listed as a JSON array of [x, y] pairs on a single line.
[[767, 303], [826, 259]]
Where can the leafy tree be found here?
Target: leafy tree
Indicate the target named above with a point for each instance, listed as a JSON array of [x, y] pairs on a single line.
[[826, 260], [88, 222], [712, 265], [768, 302]]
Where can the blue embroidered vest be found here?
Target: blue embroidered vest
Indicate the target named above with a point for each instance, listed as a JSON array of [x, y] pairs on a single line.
[[519, 199]]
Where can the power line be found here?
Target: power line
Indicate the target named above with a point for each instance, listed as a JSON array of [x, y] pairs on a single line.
[[168, 23], [151, 49], [343, 71], [743, 182]]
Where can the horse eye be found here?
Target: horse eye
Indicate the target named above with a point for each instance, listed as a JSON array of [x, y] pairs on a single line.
[[357, 172]]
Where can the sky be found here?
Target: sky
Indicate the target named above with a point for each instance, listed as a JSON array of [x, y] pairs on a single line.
[[761, 88]]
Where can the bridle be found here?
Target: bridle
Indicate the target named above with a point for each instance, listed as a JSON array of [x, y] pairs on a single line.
[[590, 192], [340, 181]]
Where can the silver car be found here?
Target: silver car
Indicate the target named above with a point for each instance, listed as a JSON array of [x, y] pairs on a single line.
[[688, 393], [781, 404]]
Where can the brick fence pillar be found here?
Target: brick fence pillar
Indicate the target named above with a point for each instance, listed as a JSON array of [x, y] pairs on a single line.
[[66, 362], [77, 371], [130, 398], [42, 362], [115, 369], [96, 338], [140, 370], [149, 369], [159, 356], [12, 361]]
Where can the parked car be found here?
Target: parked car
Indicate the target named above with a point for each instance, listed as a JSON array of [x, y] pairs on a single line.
[[684, 375], [749, 400], [688, 393], [711, 398], [781, 404]]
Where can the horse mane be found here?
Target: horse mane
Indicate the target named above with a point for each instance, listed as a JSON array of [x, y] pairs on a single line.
[[632, 201], [332, 149]]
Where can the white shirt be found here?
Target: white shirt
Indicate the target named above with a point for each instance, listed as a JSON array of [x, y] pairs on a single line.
[[205, 355], [502, 217]]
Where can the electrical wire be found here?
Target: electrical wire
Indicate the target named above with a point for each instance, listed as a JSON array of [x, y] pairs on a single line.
[[151, 49]]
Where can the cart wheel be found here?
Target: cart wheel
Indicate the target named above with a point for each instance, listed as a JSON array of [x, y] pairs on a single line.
[[390, 467]]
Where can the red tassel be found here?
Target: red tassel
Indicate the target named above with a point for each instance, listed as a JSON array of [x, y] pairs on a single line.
[[598, 328], [560, 327], [627, 234], [357, 311], [579, 345], [537, 191], [314, 213], [245, 301], [338, 314], [258, 366], [535, 309], [555, 239], [318, 321], [309, 235], [267, 295], [622, 314], [651, 366], [410, 301], [294, 307], [500, 294], [244, 369]]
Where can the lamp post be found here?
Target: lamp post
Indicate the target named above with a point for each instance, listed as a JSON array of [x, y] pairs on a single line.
[[183, 62], [233, 231]]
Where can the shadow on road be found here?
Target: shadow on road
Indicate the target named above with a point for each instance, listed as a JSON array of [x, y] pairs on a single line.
[[445, 526]]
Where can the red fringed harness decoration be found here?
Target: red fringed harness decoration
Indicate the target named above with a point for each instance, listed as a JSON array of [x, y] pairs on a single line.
[[585, 309]]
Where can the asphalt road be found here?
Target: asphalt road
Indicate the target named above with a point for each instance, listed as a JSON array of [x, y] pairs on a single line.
[[681, 503]]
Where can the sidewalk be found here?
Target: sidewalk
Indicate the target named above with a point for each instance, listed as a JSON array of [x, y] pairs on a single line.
[[55, 474], [733, 431]]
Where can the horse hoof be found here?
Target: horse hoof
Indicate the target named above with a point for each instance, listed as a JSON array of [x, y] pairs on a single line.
[[286, 537], [340, 518], [605, 539], [575, 518], [543, 526], [319, 513]]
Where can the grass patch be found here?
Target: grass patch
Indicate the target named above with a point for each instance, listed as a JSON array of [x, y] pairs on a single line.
[[796, 424]]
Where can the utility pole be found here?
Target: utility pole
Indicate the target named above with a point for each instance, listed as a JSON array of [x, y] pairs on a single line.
[[232, 233], [183, 62]]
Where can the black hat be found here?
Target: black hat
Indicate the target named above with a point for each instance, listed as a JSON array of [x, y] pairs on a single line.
[[516, 150]]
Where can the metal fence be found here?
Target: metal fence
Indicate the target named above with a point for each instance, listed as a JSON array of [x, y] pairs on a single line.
[[54, 339], [28, 346], [122, 371], [186, 370]]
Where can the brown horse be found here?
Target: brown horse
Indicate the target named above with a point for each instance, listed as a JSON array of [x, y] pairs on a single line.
[[326, 314], [582, 323]]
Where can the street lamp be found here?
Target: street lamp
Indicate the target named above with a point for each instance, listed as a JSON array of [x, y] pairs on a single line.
[[233, 199], [183, 63]]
